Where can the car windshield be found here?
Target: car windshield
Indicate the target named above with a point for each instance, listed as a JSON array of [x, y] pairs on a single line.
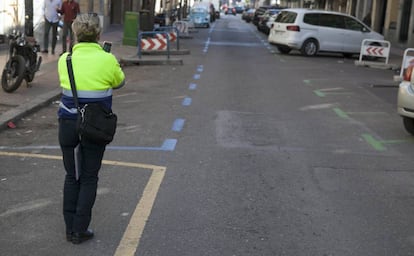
[[273, 11], [199, 10], [286, 17]]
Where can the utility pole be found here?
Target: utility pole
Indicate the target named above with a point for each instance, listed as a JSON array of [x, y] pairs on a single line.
[[28, 14]]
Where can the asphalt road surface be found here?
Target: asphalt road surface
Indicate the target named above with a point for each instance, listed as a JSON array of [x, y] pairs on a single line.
[[240, 151]]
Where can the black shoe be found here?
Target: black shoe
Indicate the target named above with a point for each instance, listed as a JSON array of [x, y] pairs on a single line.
[[78, 238], [69, 236], [45, 51]]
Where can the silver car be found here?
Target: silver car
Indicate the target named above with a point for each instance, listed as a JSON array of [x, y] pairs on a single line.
[[313, 31], [405, 100]]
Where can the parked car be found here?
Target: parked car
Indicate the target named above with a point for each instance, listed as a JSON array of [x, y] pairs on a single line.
[[239, 9], [230, 10], [259, 11], [263, 20], [270, 21], [200, 16], [247, 15], [313, 31], [405, 102]]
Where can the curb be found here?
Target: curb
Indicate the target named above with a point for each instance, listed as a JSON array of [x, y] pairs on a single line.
[[172, 52], [378, 65], [127, 61], [28, 107]]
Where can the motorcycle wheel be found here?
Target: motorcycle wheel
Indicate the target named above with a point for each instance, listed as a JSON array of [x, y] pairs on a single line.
[[35, 67], [12, 77]]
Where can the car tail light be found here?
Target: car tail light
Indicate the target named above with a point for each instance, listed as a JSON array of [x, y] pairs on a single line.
[[293, 28], [408, 73]]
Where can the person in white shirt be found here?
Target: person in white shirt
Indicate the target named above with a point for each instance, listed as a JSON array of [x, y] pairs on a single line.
[[51, 15]]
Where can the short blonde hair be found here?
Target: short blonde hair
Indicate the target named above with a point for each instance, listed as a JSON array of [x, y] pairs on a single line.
[[86, 27]]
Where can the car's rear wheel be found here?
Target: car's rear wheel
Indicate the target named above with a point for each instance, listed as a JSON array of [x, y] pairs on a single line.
[[408, 124], [284, 49], [310, 47]]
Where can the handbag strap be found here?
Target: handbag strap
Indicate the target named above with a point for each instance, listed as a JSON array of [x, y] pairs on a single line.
[[72, 80]]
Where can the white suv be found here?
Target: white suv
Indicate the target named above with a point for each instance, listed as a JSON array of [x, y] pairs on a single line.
[[313, 31]]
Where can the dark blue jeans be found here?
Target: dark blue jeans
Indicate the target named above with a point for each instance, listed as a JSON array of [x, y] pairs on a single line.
[[78, 194], [48, 26], [67, 30]]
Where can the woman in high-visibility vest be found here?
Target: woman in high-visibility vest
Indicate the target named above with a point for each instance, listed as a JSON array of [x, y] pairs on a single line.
[[96, 73]]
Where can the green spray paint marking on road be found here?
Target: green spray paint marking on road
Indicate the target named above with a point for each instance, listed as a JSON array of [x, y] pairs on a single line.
[[394, 141], [319, 93], [367, 113], [307, 82], [346, 115], [331, 92], [379, 144], [341, 113]]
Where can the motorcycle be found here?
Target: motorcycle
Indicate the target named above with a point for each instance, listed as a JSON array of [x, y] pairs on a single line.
[[22, 62]]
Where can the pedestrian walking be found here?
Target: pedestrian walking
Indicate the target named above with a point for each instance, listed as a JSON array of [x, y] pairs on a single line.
[[96, 73], [51, 16], [70, 9]]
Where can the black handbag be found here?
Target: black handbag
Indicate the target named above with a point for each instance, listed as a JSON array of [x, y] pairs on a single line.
[[95, 122]]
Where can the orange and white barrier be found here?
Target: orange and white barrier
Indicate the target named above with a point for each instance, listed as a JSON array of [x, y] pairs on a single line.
[[378, 50], [375, 48], [154, 44], [172, 36], [408, 60]]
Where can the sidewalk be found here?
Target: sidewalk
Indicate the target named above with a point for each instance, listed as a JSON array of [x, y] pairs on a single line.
[[45, 87]]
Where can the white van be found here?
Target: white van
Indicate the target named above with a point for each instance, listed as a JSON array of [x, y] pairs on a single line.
[[313, 31]]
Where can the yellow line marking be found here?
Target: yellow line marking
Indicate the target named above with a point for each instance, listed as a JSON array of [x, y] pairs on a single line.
[[30, 155], [130, 241], [132, 235]]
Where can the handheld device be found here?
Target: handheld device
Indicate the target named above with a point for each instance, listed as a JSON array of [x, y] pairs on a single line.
[[107, 46]]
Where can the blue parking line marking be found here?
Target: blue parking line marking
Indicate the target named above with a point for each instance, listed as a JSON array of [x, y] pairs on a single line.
[[197, 76], [186, 101], [200, 68], [167, 145], [192, 86], [178, 125], [206, 45]]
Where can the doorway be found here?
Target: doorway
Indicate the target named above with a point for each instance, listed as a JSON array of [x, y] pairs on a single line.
[[405, 20]]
